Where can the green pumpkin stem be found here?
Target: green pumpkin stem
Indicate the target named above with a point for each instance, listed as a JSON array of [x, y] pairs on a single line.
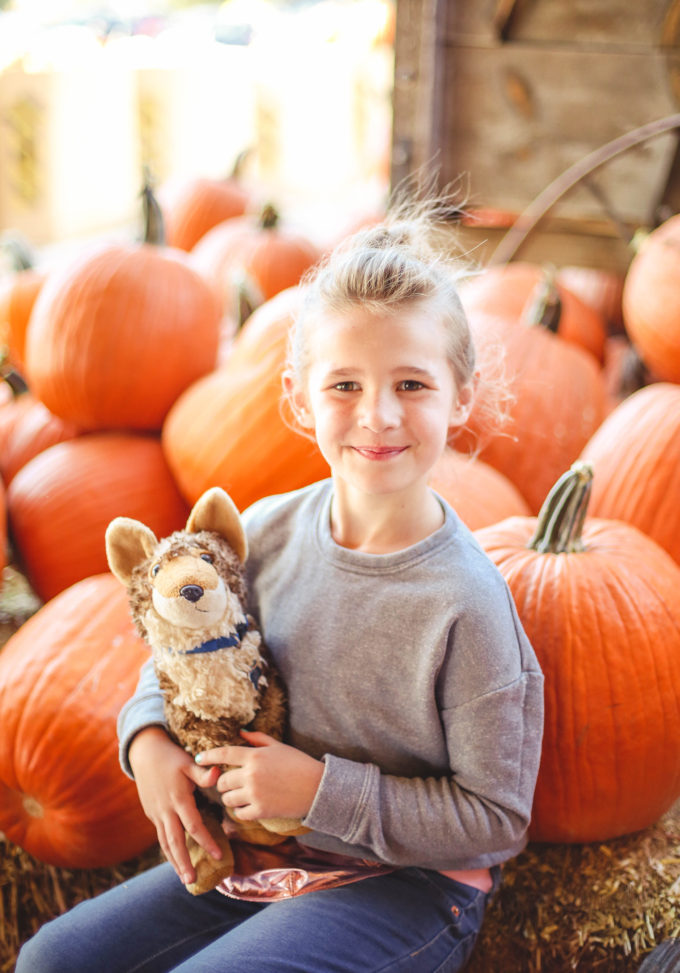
[[269, 217], [544, 305], [17, 251], [154, 224], [239, 164], [561, 518]]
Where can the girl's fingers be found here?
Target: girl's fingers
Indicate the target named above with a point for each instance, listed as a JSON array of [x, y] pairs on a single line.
[[218, 755], [235, 755], [203, 776], [256, 738], [173, 844]]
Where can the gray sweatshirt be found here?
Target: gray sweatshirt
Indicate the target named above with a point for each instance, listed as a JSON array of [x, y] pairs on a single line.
[[408, 674]]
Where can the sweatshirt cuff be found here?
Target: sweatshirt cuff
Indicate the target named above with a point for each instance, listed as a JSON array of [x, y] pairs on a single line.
[[341, 798], [137, 714]]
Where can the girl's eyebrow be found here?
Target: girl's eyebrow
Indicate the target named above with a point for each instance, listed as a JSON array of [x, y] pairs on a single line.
[[342, 372]]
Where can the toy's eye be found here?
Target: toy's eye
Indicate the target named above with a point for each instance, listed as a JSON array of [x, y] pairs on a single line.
[[207, 557], [155, 569]]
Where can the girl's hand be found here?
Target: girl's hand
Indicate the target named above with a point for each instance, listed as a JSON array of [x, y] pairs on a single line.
[[268, 779], [166, 777]]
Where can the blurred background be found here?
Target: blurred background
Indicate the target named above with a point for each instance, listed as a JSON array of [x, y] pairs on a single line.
[[94, 95]]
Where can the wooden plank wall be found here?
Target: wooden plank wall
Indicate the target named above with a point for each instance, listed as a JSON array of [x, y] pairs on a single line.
[[509, 94]]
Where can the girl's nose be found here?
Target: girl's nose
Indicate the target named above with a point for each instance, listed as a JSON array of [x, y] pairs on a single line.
[[379, 411]]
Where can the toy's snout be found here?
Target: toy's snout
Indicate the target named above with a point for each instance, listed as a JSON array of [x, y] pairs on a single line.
[[188, 592], [192, 592]]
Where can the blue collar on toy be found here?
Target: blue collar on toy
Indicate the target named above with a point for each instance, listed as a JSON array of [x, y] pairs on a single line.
[[223, 642]]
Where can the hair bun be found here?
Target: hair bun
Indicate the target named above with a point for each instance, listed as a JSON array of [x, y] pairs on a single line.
[[387, 235]]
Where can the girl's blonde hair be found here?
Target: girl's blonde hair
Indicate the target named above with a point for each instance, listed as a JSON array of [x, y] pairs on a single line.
[[409, 259]]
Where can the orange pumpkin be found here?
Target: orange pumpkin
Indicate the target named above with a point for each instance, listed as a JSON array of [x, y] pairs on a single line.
[[17, 297], [34, 430], [505, 289], [61, 501], [651, 303], [253, 254], [599, 602], [559, 400], [229, 430], [636, 457], [3, 529], [64, 676], [478, 493], [193, 206], [599, 288], [12, 408], [117, 333]]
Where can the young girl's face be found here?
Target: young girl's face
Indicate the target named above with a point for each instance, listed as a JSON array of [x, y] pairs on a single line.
[[381, 396]]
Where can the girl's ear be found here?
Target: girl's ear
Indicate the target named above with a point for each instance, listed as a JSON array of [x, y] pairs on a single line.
[[297, 399], [462, 407]]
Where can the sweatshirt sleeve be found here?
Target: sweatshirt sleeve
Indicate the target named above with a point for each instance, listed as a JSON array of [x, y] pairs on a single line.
[[474, 816], [144, 709]]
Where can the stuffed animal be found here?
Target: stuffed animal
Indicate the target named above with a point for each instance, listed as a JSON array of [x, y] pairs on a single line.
[[187, 596]]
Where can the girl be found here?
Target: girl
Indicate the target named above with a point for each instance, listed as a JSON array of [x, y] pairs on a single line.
[[415, 697]]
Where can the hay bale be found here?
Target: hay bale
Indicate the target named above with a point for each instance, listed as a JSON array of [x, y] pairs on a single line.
[[599, 907]]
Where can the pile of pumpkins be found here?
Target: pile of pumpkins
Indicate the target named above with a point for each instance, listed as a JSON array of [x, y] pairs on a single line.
[[143, 391]]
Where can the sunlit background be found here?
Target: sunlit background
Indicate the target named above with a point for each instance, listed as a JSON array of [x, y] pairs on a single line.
[[95, 95]]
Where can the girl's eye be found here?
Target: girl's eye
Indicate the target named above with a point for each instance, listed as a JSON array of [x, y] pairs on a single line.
[[207, 557], [345, 387], [411, 385]]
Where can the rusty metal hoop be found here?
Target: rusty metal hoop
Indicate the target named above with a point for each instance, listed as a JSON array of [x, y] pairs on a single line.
[[537, 209]]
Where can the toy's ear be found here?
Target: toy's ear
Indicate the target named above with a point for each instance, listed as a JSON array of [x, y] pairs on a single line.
[[215, 510], [128, 542]]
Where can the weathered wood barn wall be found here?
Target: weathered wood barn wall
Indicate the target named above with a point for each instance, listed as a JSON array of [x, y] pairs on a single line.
[[521, 99]]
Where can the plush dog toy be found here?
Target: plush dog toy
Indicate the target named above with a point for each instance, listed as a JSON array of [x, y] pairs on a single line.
[[187, 595]]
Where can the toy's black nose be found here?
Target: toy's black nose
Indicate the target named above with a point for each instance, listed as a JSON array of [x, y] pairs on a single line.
[[192, 592]]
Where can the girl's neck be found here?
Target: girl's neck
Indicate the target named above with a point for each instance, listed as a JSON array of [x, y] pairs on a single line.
[[383, 524]]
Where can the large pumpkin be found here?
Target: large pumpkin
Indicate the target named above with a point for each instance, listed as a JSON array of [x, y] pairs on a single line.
[[12, 408], [192, 206], [118, 333], [600, 602], [599, 288], [3, 529], [18, 294], [558, 401], [253, 254], [229, 429], [478, 493], [61, 501], [34, 430], [636, 457], [505, 289], [64, 676], [651, 300]]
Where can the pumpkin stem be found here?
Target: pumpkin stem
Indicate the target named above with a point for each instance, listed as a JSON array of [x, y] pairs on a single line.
[[245, 296], [269, 217], [544, 305], [154, 225], [239, 164], [561, 518], [15, 381], [17, 251]]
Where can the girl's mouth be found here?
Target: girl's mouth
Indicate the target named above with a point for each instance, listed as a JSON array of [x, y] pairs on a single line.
[[379, 452]]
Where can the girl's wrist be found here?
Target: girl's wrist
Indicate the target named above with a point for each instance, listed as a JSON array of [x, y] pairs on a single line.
[[143, 740]]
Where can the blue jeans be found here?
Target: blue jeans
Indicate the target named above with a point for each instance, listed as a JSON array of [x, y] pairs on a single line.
[[408, 920]]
